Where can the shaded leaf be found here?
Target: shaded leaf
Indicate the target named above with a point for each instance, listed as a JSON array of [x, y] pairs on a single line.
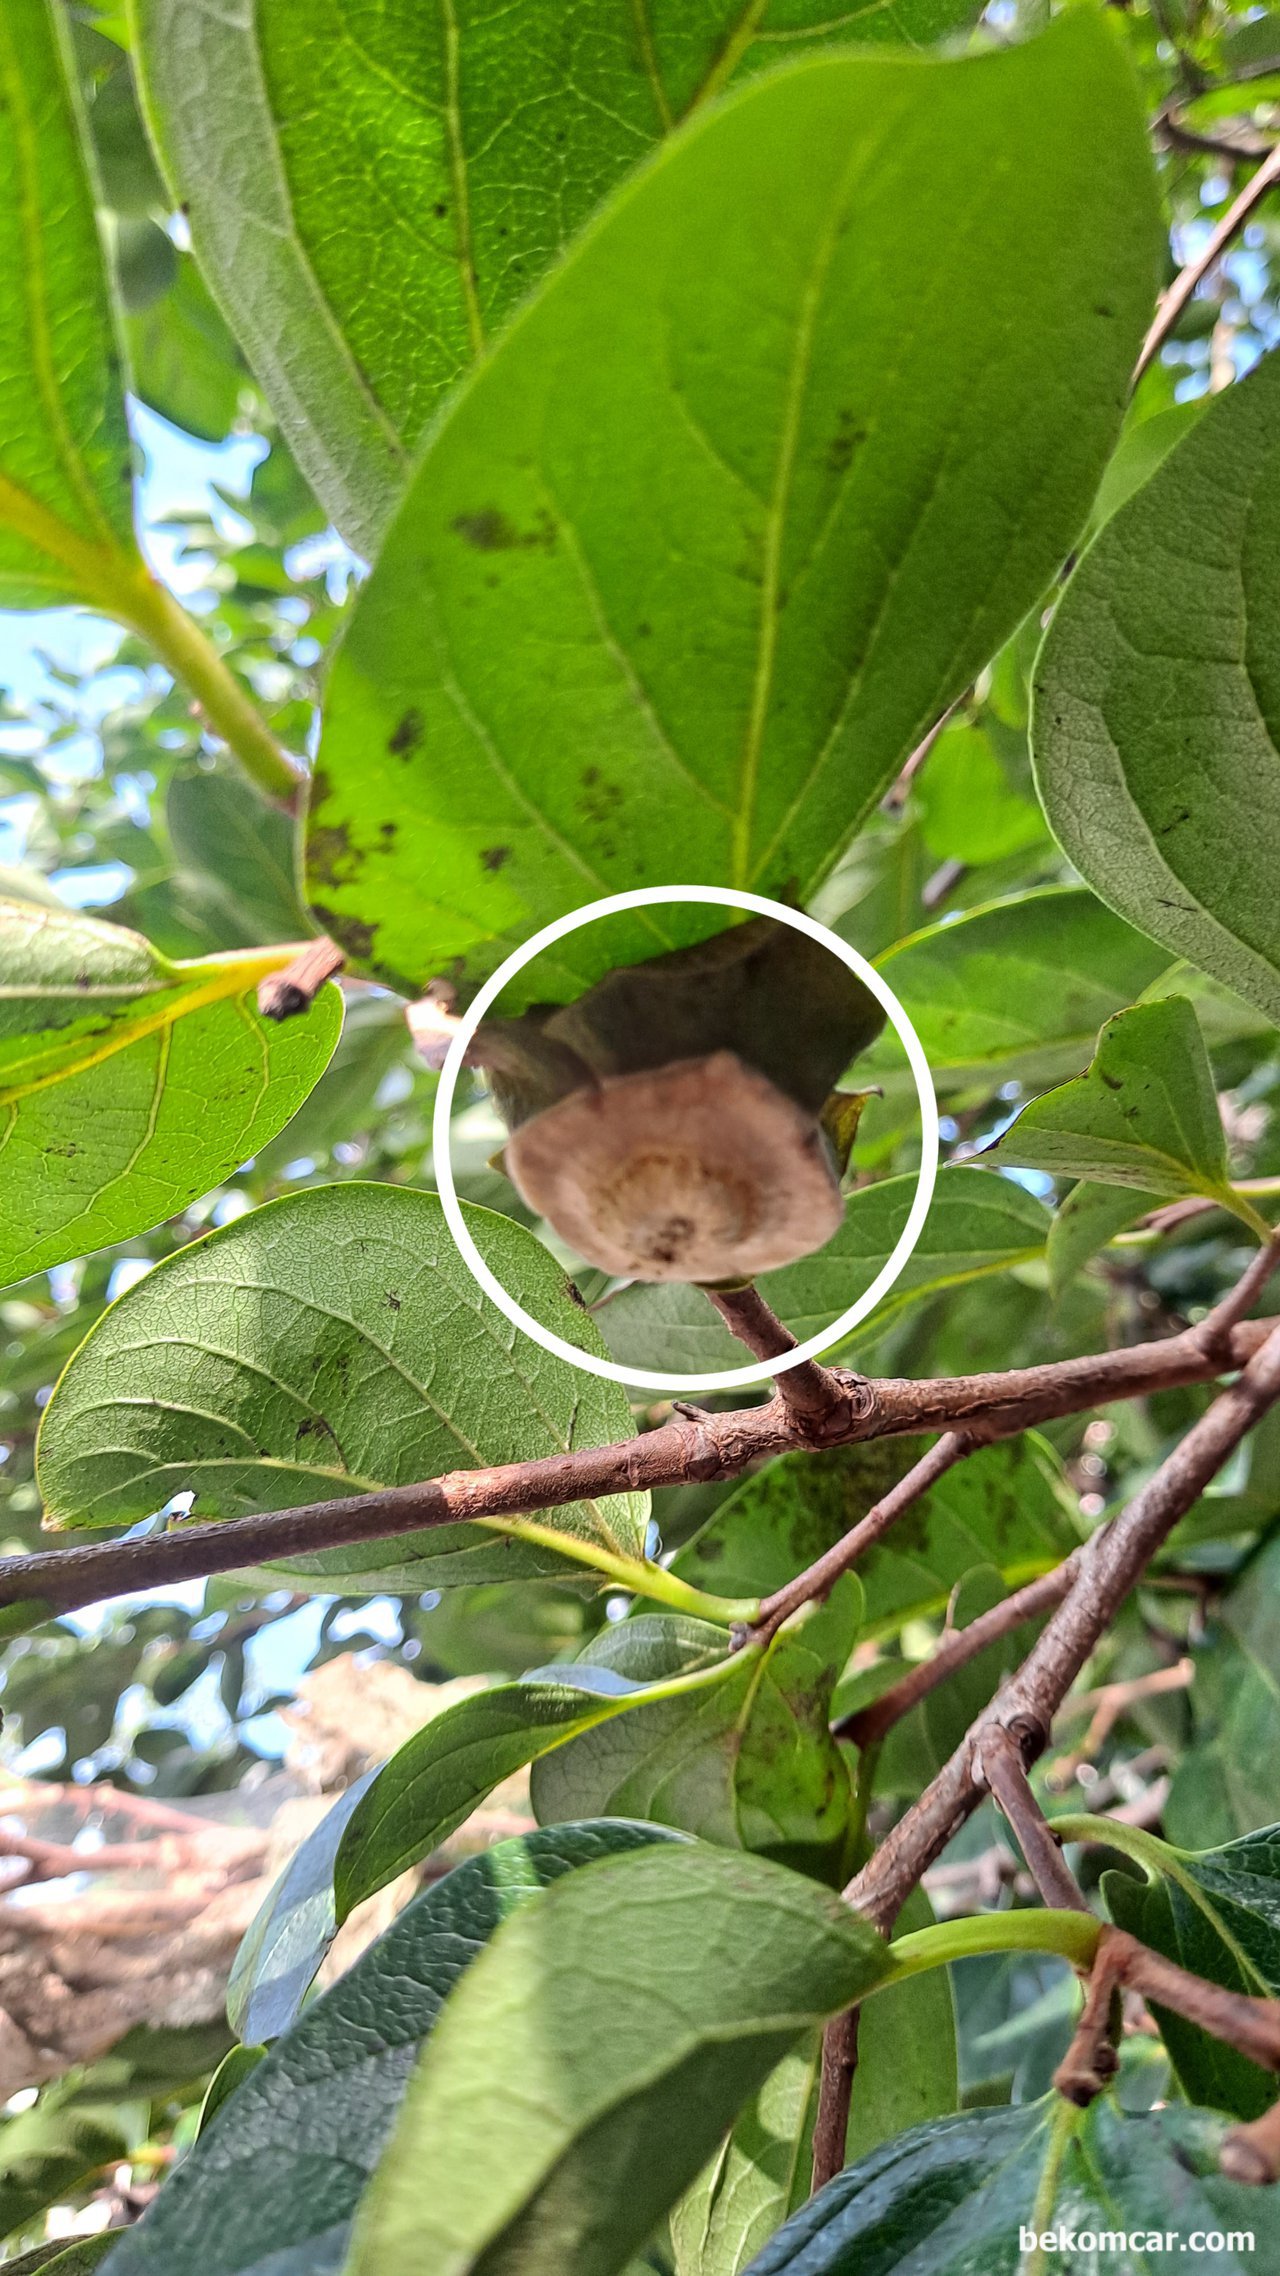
[[954, 2197], [362, 288], [969, 811], [1216, 1912], [637, 2009], [1229, 1779], [66, 473], [1145, 1115], [1020, 987], [1091, 1216], [761, 2174], [747, 1762], [976, 1225], [130, 1085], [333, 1343], [273, 2192], [63, 2259], [1155, 721], [285, 1942], [755, 639], [51, 2149]]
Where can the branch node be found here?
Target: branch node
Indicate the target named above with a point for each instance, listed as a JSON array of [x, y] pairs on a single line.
[[283, 995], [1252, 2153]]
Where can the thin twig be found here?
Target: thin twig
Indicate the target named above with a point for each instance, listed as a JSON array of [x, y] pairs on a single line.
[[1112, 1562], [954, 1650], [835, 2094], [282, 995], [820, 1578], [1184, 284], [818, 1399], [1000, 1763], [690, 1448]]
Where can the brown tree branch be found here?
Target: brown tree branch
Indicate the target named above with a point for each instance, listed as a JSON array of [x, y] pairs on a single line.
[[693, 1446], [823, 1404], [1110, 1565], [1000, 1763], [954, 1649], [282, 995], [820, 1578], [1184, 284]]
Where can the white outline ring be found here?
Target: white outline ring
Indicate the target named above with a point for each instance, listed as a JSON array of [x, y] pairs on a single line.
[[611, 1370]]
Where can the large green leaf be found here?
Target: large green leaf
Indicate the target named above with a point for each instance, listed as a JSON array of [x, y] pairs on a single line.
[[370, 193], [271, 2189], [1216, 1912], [762, 2172], [1229, 1780], [977, 1224], [66, 474], [62, 2259], [128, 1084], [953, 2198], [50, 2150], [1157, 706], [1145, 1115], [1003, 1507], [1091, 1216], [748, 1762], [1020, 987], [329, 1344], [754, 538], [586, 2066]]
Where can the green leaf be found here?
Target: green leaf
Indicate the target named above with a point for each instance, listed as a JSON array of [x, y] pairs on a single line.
[[240, 847], [231, 2073], [1156, 702], [329, 1344], [66, 470], [1216, 1912], [129, 1085], [588, 2063], [51, 2149], [285, 1942], [1145, 1115], [63, 2259], [272, 2193], [1019, 988], [1003, 1507], [953, 2197], [747, 1762], [969, 812], [761, 2174], [719, 514], [1229, 1779], [183, 361], [1091, 1216], [370, 196], [976, 1225]]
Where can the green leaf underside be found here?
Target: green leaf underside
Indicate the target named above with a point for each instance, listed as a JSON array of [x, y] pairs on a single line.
[[62, 2259], [1004, 1508], [733, 1748], [977, 1224], [1217, 1913], [589, 2062], [1157, 703], [130, 1085], [274, 2188], [1091, 1216], [747, 575], [1145, 1115], [1229, 1780], [333, 1343], [66, 477], [748, 1763], [952, 2198], [285, 1942], [508, 127], [1020, 987], [761, 2173]]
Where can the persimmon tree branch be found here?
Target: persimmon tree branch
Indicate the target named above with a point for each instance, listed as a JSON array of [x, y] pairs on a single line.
[[1184, 284], [824, 1401], [1002, 1766], [695, 1446]]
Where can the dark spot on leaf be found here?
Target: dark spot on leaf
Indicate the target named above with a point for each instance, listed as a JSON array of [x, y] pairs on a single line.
[[643, 631], [329, 854], [1113, 1082], [844, 442], [440, 210], [492, 531], [493, 857], [1100, 309], [315, 1426], [351, 933], [388, 830], [393, 1301], [602, 798], [64, 1152], [1183, 815], [407, 736], [575, 1295]]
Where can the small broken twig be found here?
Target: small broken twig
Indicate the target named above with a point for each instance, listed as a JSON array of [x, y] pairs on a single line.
[[284, 994]]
